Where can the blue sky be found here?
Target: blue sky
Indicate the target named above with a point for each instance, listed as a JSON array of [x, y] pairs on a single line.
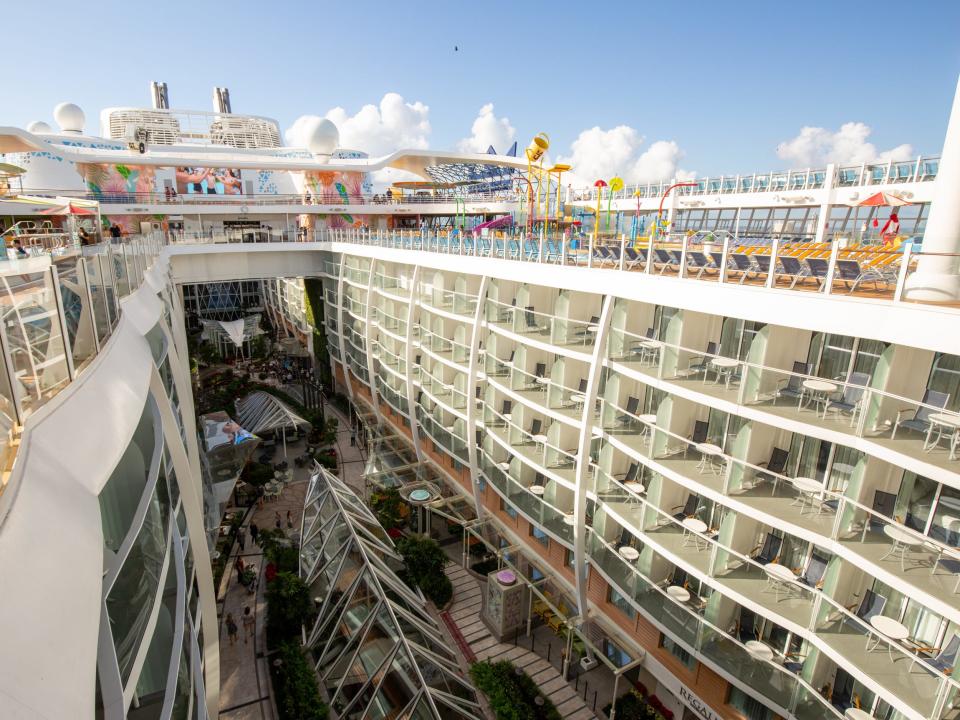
[[725, 82]]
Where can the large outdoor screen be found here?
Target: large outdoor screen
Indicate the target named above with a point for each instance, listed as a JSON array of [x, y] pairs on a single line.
[[208, 181]]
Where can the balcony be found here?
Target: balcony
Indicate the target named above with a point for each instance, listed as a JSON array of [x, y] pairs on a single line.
[[540, 326]]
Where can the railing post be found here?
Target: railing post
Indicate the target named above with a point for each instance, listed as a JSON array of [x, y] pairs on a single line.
[[61, 318], [903, 272], [590, 250], [681, 272], [724, 258], [832, 267], [649, 267], [772, 273], [542, 243], [623, 250]]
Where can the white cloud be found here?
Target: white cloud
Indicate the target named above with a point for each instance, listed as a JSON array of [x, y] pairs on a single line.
[[849, 145], [487, 130], [391, 125], [598, 153]]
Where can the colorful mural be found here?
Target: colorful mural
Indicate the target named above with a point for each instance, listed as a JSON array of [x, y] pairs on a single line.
[[104, 179], [335, 188]]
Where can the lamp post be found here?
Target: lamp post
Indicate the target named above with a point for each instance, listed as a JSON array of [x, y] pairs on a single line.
[[616, 185], [599, 185]]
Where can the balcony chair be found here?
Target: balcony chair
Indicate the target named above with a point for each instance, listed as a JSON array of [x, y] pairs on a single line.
[[871, 604], [746, 627], [506, 409], [701, 363], [582, 332], [679, 578], [631, 475], [884, 504], [604, 255], [812, 576], [535, 428], [633, 258], [539, 370], [945, 658], [742, 265], [665, 260], [700, 430], [628, 420], [792, 387], [933, 401], [792, 267], [841, 696], [532, 322], [851, 398], [689, 508], [773, 469], [769, 552]]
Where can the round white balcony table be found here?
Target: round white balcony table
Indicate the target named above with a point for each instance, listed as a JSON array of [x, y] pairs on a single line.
[[569, 519], [537, 490], [723, 367], [857, 714], [541, 440], [807, 488], [649, 349], [578, 399], [649, 419], [759, 650], [707, 452], [593, 328], [778, 576], [680, 594], [507, 417], [902, 542], [819, 389], [890, 628], [634, 486], [629, 553], [941, 422], [505, 466], [692, 529], [481, 376]]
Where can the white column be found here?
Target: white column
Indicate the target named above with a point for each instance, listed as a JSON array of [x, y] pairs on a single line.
[[826, 201], [936, 277]]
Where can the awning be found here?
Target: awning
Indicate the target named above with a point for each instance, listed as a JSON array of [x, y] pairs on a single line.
[[260, 412]]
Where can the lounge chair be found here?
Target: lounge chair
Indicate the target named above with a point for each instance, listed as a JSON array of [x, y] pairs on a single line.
[[665, 259], [851, 398], [818, 269], [701, 262], [933, 401], [850, 271], [792, 387], [742, 264], [794, 268]]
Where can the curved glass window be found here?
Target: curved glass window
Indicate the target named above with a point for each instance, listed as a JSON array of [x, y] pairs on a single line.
[[158, 344], [124, 488], [131, 597]]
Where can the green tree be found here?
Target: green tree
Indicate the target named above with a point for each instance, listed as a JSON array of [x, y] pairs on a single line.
[[288, 607], [423, 562]]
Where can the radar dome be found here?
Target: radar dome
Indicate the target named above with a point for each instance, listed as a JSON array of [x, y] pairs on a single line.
[[39, 127], [322, 137], [69, 117]]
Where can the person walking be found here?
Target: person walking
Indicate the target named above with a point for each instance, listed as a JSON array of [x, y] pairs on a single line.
[[353, 438], [289, 520], [254, 531], [241, 537], [115, 232], [240, 565], [248, 624], [277, 520], [232, 628]]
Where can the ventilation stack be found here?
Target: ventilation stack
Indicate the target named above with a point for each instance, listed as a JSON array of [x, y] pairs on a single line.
[[221, 100], [158, 93]]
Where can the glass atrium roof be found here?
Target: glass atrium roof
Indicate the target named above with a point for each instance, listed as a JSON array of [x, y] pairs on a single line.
[[260, 412], [378, 651]]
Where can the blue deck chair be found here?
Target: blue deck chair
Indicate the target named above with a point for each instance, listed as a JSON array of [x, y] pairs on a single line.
[[851, 398], [794, 268], [813, 574], [742, 264], [701, 262], [871, 604], [792, 387], [946, 657], [701, 363], [933, 401], [665, 259], [850, 271], [769, 552], [818, 270]]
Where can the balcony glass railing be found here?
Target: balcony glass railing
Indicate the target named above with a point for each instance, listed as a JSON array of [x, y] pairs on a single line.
[[542, 326], [459, 303]]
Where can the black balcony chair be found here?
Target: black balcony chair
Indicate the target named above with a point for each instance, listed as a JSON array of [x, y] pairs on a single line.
[[532, 322], [628, 420], [700, 430], [539, 370], [506, 408], [841, 696], [535, 428], [637, 347], [852, 396], [679, 578], [701, 363], [773, 468], [582, 332], [792, 387], [812, 576], [944, 659], [884, 503], [769, 552], [746, 628], [632, 474], [688, 509]]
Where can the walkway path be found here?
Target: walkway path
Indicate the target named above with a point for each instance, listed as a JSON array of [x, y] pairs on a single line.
[[244, 676], [465, 614]]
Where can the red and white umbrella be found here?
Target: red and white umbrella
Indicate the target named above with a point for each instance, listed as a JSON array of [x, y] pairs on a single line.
[[882, 199], [69, 209]]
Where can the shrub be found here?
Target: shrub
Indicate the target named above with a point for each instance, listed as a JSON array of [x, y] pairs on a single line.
[[285, 557], [295, 685], [634, 706], [288, 608], [257, 474], [511, 692], [389, 507], [423, 562]]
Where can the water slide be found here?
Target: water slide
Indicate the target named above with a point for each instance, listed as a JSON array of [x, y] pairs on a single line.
[[502, 221]]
